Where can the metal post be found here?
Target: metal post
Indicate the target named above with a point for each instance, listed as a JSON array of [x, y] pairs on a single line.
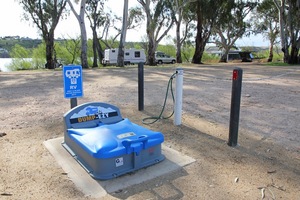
[[235, 106], [73, 102], [178, 96], [141, 86]]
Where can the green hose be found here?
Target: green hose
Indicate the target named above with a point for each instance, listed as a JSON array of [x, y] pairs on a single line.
[[156, 118]]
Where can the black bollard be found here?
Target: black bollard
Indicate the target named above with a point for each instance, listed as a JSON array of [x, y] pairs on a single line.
[[73, 102], [141, 86], [235, 106]]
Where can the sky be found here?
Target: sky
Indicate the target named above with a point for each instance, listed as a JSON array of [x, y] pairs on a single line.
[[13, 24]]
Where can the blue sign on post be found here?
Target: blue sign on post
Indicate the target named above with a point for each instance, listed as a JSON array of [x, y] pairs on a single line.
[[72, 81]]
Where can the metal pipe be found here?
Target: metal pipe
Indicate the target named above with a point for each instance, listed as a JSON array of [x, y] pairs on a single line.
[[178, 97]]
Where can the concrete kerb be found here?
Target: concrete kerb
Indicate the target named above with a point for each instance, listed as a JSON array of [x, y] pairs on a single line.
[[96, 188]]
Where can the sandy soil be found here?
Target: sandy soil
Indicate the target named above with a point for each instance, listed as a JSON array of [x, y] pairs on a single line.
[[265, 164]]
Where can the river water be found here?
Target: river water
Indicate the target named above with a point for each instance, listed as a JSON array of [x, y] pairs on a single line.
[[4, 62]]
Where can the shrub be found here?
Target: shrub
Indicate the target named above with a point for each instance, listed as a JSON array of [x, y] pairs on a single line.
[[38, 56], [21, 59]]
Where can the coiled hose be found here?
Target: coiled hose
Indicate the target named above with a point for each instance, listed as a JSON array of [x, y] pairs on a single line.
[[160, 116]]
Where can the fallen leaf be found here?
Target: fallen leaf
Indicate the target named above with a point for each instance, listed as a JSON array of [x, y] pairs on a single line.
[[2, 134], [6, 194]]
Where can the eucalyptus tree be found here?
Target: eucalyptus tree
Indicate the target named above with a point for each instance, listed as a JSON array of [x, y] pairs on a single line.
[[69, 50], [183, 16], [266, 22], [110, 30], [159, 20], [120, 60], [232, 25], [206, 13], [110, 22], [294, 30], [289, 15], [97, 17], [83, 35], [45, 14], [132, 18]]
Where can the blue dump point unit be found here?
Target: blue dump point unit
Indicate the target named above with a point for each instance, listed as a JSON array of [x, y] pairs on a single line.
[[105, 144]]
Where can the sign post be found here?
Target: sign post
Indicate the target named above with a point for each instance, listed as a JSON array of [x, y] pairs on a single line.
[[73, 83], [237, 76]]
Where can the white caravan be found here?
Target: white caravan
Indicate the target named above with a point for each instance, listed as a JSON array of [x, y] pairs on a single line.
[[131, 56]]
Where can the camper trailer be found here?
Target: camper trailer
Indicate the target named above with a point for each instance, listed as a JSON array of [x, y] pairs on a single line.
[[131, 56]]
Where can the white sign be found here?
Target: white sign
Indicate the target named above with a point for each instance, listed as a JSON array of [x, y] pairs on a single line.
[[119, 162]]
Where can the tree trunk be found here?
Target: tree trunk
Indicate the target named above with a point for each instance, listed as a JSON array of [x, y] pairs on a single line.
[[283, 35], [224, 57], [80, 19], [123, 35], [154, 24], [151, 52], [199, 50], [178, 42], [293, 58], [84, 61], [95, 60], [83, 56], [100, 51], [294, 55], [200, 40], [151, 44], [270, 59], [49, 51]]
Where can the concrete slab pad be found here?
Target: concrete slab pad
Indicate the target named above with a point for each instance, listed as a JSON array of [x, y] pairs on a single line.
[[95, 188]]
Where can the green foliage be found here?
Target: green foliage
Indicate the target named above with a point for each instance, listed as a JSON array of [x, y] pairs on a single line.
[[138, 46], [68, 51], [90, 53], [277, 55], [277, 63], [20, 64], [20, 57], [167, 49], [187, 51], [19, 52], [38, 56], [8, 44], [63, 56], [209, 58]]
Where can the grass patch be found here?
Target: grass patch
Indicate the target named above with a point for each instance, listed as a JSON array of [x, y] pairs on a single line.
[[275, 64]]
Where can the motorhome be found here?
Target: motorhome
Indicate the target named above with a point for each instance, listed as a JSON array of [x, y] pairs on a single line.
[[131, 56]]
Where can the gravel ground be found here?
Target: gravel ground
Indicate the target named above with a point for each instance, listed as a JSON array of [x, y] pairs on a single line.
[[265, 164]]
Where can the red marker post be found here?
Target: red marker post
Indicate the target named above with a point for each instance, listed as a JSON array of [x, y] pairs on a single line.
[[237, 76]]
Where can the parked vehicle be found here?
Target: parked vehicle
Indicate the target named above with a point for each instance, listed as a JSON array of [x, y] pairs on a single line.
[[161, 57], [131, 56], [246, 56]]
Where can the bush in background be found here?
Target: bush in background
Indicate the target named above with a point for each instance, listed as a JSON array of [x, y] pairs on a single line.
[[38, 56], [21, 59]]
